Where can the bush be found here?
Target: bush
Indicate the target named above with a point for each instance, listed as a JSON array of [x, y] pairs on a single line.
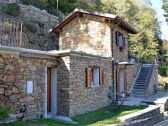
[[12, 9], [166, 86], [163, 69], [4, 112]]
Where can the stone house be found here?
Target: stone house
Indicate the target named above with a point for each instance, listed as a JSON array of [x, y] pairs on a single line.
[[91, 63]]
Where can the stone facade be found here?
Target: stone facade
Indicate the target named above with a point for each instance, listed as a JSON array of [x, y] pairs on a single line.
[[91, 34], [74, 97], [152, 88], [92, 43], [15, 71]]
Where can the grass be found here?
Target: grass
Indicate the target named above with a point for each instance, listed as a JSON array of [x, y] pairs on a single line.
[[100, 117]]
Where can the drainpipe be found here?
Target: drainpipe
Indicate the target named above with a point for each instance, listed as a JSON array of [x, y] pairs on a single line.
[[113, 63]]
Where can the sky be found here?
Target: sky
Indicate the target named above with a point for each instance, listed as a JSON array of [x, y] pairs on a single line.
[[157, 5]]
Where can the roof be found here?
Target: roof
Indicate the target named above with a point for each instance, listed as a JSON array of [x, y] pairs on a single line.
[[109, 17]]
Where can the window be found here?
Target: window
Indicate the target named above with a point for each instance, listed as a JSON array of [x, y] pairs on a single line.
[[95, 77], [120, 40]]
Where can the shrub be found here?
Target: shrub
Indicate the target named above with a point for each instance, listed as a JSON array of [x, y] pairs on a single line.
[[12, 9], [166, 86], [4, 112], [163, 69]]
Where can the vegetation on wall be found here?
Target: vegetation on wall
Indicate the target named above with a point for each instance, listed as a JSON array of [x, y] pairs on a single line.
[[4, 112], [12, 9], [163, 69]]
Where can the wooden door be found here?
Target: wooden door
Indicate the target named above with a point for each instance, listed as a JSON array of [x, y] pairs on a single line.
[[48, 89], [122, 83]]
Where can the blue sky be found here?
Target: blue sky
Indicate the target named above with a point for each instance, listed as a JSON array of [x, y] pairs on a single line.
[[157, 5]]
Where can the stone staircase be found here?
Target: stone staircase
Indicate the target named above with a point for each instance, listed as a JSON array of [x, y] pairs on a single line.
[[140, 86]]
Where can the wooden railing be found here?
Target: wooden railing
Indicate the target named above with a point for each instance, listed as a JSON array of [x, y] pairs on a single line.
[[11, 31]]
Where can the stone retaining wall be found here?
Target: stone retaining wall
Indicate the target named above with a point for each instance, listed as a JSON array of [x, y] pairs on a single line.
[[152, 88], [142, 114], [146, 117], [32, 13]]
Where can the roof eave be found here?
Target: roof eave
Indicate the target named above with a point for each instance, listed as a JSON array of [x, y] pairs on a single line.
[[78, 11], [127, 26]]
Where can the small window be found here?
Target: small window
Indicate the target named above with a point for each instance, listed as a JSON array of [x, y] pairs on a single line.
[[120, 40], [95, 77]]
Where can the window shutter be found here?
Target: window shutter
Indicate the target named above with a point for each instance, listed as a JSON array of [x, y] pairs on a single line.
[[102, 84], [117, 35], [123, 41], [125, 81], [88, 77]]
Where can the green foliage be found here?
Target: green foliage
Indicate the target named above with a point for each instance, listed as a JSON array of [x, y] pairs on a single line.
[[145, 43], [163, 69], [4, 112], [38, 3], [100, 117], [28, 26], [166, 86], [12, 9], [165, 8]]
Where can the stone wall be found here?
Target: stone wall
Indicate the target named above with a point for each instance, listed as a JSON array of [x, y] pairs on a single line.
[[15, 71], [74, 97], [34, 26], [33, 13], [132, 71], [91, 34], [118, 54], [63, 85], [152, 83], [145, 117], [84, 99]]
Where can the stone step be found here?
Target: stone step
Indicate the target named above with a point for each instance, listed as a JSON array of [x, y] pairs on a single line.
[[140, 84], [136, 87], [141, 81], [138, 96], [139, 92], [141, 89]]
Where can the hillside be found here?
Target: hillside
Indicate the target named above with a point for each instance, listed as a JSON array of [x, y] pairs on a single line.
[[36, 25]]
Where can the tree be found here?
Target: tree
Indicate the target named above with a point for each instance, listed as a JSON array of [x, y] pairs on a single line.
[[165, 8], [145, 43]]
